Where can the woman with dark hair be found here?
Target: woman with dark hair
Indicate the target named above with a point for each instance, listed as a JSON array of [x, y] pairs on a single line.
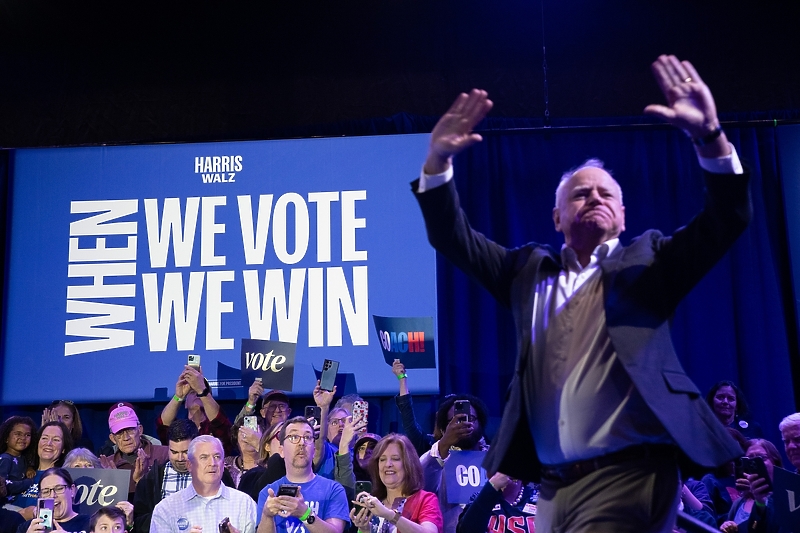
[[15, 443], [754, 511], [729, 405], [397, 500], [271, 466], [248, 442], [56, 483], [66, 412], [52, 443]]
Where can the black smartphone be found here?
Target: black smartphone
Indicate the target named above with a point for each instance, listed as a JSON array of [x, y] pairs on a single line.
[[755, 465], [313, 411], [328, 378], [223, 526], [362, 486], [288, 490], [461, 407]]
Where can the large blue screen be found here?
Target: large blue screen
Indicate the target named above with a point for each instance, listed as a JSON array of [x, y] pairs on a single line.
[[124, 260]]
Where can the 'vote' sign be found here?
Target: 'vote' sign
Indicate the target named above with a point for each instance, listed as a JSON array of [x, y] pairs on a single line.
[[272, 361]]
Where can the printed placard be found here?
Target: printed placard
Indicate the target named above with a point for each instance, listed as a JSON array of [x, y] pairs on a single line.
[[464, 476], [787, 499], [99, 487], [272, 361], [409, 339]]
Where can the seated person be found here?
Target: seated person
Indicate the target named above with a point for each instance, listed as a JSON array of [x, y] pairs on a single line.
[[204, 410], [755, 510], [65, 411], [52, 443], [133, 453], [730, 407], [81, 458], [397, 497], [56, 483], [16, 434]]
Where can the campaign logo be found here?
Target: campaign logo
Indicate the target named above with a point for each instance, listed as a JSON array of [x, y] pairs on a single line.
[[408, 339], [218, 168], [272, 361]]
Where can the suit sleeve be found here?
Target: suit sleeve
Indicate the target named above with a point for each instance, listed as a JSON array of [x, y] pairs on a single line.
[[450, 234]]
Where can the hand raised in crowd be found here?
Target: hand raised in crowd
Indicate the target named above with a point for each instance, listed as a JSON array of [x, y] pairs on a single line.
[[453, 133], [284, 505], [141, 465], [729, 527], [127, 508], [398, 368], [194, 377], [182, 387], [255, 391], [250, 437], [322, 397], [49, 415], [458, 428], [349, 431]]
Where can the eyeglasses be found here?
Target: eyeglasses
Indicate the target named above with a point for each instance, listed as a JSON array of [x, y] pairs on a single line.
[[55, 403], [295, 439], [127, 432], [276, 408], [337, 421], [58, 489]]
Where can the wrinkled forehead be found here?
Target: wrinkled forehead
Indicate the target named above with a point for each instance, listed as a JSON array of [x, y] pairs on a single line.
[[587, 176], [791, 431]]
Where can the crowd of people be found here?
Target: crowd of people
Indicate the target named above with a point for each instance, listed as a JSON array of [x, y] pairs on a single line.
[[292, 474]]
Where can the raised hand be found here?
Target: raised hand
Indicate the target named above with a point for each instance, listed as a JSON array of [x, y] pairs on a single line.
[[690, 105], [322, 397], [453, 133]]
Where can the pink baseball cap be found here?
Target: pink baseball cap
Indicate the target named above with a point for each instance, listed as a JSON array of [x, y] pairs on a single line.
[[122, 416]]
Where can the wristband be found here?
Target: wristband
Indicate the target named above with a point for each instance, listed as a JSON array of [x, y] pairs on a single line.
[[306, 514], [251, 407], [402, 376], [759, 504], [396, 518], [709, 137], [177, 398]]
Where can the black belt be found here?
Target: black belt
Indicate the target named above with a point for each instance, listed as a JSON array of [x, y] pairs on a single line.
[[568, 473]]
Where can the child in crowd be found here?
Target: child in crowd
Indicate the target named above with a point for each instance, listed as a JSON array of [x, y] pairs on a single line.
[[15, 442], [107, 520]]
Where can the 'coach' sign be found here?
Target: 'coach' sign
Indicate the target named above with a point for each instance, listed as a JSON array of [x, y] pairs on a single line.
[[464, 476]]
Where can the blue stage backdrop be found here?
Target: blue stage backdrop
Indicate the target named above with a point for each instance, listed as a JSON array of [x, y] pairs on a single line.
[[124, 260]]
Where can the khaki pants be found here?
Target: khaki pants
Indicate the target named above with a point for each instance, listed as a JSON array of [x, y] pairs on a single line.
[[633, 497]]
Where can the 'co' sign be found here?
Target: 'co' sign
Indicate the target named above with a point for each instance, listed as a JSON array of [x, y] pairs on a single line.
[[464, 475]]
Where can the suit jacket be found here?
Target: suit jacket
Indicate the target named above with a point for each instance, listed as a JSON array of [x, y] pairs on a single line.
[[642, 284]]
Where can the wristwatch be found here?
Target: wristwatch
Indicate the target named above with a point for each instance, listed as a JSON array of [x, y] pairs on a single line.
[[308, 517], [205, 392]]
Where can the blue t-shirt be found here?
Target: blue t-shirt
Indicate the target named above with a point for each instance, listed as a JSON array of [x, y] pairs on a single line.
[[30, 495], [325, 497]]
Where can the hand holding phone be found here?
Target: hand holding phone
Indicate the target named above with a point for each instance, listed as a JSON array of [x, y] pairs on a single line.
[[44, 511], [327, 379]]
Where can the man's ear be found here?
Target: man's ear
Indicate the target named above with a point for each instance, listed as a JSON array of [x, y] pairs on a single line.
[[557, 219], [280, 451], [112, 438]]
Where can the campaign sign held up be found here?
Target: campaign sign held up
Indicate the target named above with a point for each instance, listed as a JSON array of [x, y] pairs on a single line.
[[98, 487], [272, 361], [409, 339], [464, 476], [787, 499]]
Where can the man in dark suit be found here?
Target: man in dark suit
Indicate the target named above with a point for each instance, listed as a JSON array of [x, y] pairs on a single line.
[[599, 409]]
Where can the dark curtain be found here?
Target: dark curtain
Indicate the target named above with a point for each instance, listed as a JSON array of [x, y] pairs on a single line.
[[739, 323], [732, 326]]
